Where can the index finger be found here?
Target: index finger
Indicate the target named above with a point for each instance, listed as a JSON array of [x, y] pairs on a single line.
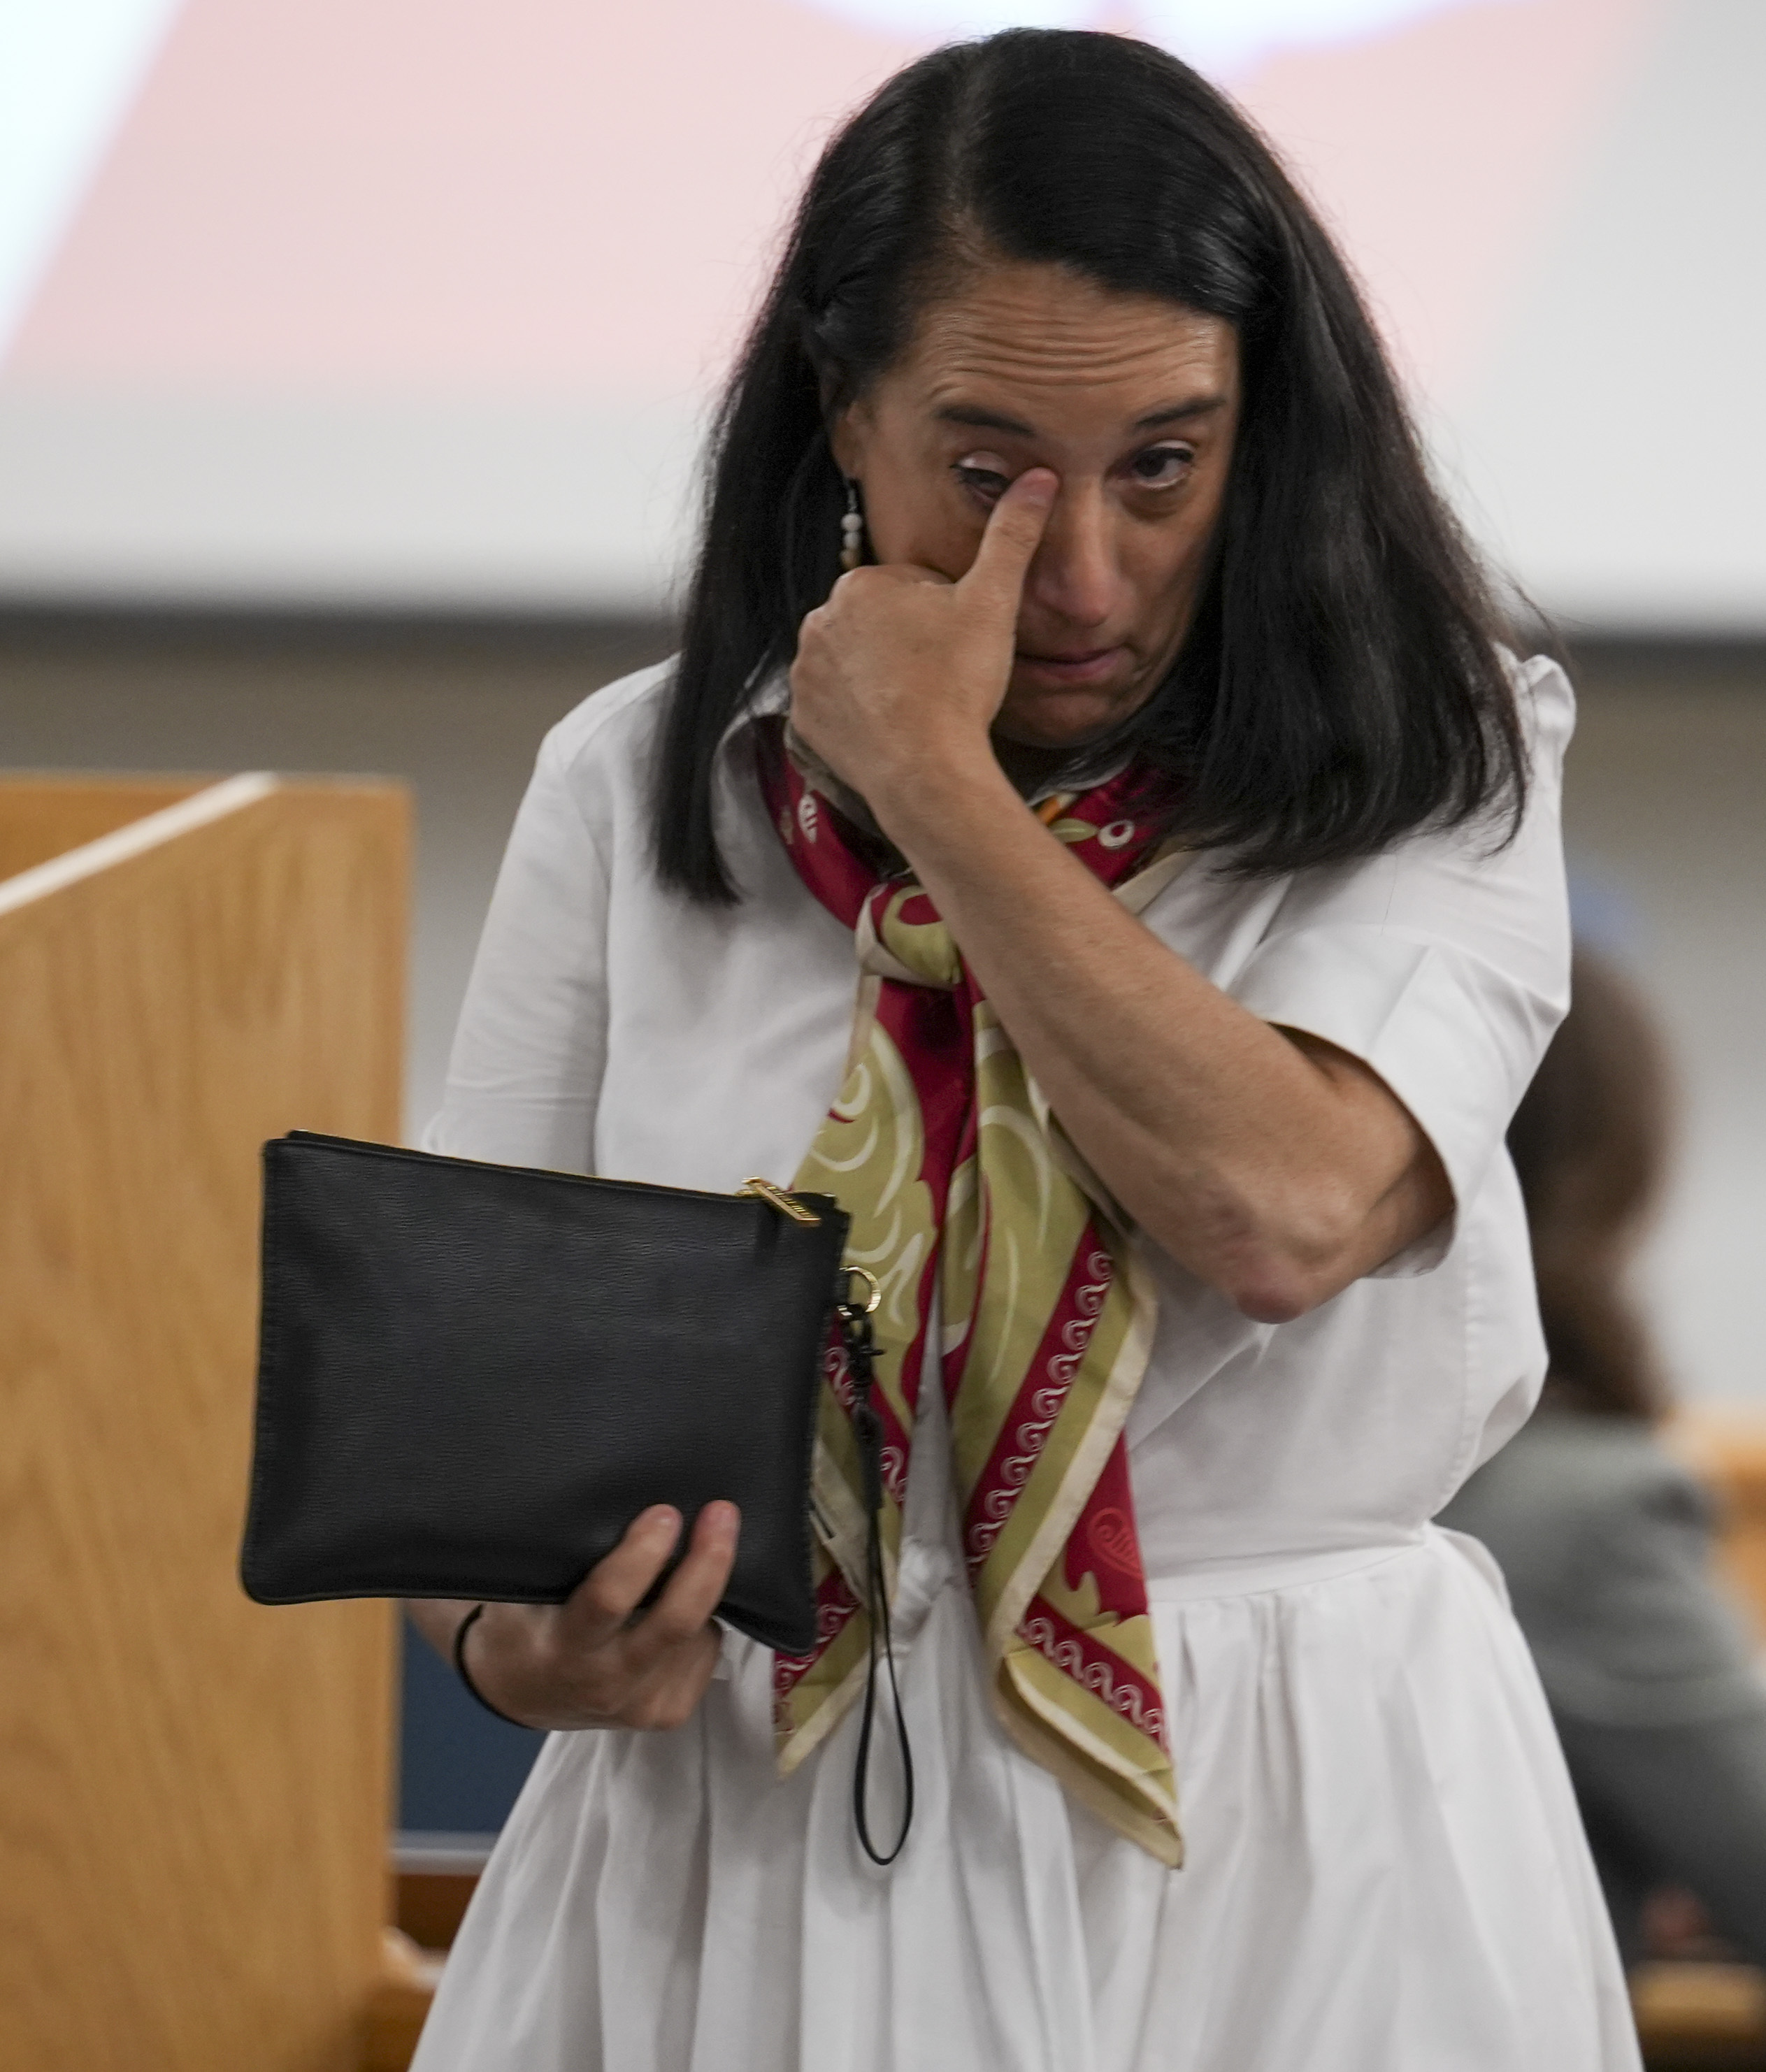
[[1014, 531]]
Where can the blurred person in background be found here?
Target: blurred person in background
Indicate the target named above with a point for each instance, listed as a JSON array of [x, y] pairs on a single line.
[[1155, 765], [1605, 1539]]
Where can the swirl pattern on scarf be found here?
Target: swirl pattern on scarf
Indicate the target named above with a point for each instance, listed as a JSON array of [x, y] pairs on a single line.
[[960, 1184]]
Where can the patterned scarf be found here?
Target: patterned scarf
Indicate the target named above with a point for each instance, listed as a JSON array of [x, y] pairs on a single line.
[[960, 1184]]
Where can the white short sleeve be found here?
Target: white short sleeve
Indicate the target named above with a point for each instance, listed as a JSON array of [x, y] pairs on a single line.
[[525, 1075], [1443, 964]]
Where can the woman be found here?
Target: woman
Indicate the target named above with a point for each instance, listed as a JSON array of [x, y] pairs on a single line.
[[1604, 1539], [1153, 778]]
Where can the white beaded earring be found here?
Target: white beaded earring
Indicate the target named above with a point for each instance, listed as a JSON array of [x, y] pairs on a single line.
[[852, 531]]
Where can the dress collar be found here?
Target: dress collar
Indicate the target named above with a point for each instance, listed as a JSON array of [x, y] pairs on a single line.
[[772, 695]]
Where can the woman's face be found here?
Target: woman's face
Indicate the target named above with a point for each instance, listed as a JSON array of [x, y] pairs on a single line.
[[1132, 400]]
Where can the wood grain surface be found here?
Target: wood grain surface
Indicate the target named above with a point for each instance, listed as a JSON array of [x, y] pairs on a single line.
[[40, 818], [193, 1789]]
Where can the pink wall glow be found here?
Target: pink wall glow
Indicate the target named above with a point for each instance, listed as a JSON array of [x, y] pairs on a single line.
[[1444, 156], [554, 196]]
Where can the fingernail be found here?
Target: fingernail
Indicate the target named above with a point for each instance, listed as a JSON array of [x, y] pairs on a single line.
[[661, 1515], [725, 1518], [1039, 484]]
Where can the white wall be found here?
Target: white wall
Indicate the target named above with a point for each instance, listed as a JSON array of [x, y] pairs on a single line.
[[414, 502]]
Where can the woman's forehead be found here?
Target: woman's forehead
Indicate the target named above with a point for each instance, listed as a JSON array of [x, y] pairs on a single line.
[[1051, 341]]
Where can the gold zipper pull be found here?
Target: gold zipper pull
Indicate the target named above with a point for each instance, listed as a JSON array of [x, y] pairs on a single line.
[[776, 1197]]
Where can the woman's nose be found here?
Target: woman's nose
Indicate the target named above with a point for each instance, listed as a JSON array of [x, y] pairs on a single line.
[[1074, 574]]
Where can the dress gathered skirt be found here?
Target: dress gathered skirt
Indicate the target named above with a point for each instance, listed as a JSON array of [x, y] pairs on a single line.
[[1386, 1869]]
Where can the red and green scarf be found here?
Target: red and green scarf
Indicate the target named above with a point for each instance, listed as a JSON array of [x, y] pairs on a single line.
[[960, 1183]]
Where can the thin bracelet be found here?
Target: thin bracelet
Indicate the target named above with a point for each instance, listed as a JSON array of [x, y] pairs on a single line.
[[465, 1674]]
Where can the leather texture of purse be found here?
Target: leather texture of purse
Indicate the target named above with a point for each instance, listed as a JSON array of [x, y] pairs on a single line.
[[472, 1378]]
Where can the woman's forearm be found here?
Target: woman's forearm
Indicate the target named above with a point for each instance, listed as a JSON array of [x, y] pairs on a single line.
[[1277, 1168]]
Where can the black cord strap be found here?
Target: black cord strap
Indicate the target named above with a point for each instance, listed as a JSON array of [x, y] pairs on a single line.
[[465, 1674], [867, 1430]]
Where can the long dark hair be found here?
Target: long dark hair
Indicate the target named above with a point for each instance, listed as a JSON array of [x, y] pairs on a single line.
[[1589, 1143], [1339, 685]]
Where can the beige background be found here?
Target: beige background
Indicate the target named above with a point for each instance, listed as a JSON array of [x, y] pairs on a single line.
[[1667, 829]]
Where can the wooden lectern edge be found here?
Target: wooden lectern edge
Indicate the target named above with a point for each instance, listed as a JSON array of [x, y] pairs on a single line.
[[214, 802], [187, 971], [152, 830]]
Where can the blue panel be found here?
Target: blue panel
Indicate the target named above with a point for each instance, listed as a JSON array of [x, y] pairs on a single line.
[[460, 1766]]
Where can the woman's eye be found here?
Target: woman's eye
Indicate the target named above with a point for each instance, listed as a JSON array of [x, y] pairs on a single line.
[[986, 473], [1161, 467]]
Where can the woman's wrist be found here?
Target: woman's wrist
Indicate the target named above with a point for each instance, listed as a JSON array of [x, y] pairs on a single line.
[[473, 1679], [928, 811]]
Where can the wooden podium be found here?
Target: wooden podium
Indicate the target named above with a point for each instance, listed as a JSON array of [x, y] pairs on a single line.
[[193, 1791]]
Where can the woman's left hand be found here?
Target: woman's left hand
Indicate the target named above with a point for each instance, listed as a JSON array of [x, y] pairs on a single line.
[[898, 676]]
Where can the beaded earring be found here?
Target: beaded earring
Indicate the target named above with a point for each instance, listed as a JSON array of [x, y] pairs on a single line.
[[852, 531]]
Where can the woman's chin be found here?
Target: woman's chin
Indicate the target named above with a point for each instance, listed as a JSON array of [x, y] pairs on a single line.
[[1038, 715]]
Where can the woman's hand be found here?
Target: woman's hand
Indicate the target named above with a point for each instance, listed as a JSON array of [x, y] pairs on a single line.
[[898, 676], [588, 1662]]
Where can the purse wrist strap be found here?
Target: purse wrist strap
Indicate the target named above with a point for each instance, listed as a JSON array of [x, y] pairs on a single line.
[[867, 1430]]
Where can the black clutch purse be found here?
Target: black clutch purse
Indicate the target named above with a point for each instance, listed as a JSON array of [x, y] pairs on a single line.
[[472, 1378]]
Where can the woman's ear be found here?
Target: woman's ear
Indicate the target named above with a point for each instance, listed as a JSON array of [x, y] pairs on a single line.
[[847, 429]]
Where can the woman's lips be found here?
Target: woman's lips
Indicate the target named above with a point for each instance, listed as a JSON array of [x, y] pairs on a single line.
[[1076, 666]]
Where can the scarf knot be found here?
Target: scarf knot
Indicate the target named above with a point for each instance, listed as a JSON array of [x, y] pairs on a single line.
[[901, 936]]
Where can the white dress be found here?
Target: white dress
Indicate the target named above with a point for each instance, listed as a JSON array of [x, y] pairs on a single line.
[[1385, 1870]]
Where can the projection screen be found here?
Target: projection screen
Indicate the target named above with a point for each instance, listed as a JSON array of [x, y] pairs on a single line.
[[419, 304]]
